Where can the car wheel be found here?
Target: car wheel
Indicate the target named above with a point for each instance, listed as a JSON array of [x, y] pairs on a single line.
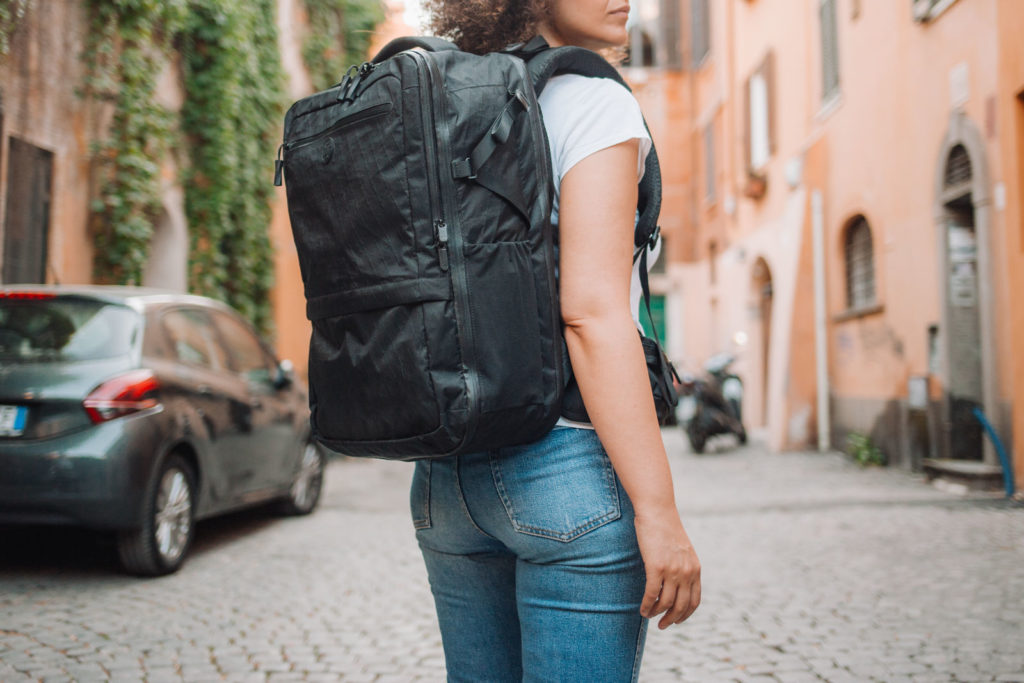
[[304, 495], [160, 545]]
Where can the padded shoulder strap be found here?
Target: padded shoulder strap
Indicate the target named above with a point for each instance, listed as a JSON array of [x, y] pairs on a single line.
[[543, 63], [429, 43]]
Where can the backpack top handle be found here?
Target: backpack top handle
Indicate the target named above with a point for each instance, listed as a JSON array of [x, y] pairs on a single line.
[[428, 43]]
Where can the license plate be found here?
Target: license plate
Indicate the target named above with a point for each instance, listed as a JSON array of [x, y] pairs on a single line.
[[12, 420]]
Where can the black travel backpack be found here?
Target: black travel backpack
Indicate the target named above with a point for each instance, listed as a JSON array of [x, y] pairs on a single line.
[[419, 190]]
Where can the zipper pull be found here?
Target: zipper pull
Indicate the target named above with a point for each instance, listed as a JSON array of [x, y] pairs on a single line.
[[279, 168], [366, 68], [442, 243]]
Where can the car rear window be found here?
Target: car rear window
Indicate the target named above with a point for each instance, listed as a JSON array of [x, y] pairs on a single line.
[[65, 328]]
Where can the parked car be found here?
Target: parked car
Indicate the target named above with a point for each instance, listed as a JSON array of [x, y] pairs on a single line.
[[141, 412]]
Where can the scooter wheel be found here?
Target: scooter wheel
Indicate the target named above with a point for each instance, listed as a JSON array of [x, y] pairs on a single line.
[[697, 442], [742, 435]]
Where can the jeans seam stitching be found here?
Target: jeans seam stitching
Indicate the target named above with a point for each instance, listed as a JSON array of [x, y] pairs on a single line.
[[423, 521], [462, 500], [638, 649]]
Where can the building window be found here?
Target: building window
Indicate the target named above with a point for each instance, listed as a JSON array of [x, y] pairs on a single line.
[[654, 36], [958, 168], [659, 267], [700, 40], [27, 223], [829, 50], [709, 161], [860, 265], [926, 10], [760, 114]]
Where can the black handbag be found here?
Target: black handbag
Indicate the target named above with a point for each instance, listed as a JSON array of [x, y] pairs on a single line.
[[660, 370]]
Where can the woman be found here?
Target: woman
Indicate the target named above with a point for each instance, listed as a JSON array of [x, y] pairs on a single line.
[[546, 560]]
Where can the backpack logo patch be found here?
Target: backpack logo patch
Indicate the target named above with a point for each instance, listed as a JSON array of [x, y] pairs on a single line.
[[326, 151]]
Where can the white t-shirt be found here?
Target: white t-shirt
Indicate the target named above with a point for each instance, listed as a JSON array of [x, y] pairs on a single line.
[[585, 115]]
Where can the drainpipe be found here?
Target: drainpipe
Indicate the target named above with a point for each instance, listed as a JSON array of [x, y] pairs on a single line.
[[820, 330]]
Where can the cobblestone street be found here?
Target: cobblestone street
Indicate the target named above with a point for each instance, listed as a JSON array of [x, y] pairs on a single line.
[[814, 569]]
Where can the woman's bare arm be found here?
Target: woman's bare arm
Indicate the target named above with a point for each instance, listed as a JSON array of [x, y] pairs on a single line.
[[597, 208]]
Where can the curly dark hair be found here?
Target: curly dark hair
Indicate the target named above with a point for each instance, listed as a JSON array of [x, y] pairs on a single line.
[[483, 26]]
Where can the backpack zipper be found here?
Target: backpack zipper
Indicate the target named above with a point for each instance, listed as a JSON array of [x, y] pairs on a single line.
[[431, 88], [441, 230], [547, 183], [356, 117], [350, 120]]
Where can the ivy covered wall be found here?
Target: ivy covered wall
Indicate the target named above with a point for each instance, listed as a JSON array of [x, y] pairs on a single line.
[[226, 132]]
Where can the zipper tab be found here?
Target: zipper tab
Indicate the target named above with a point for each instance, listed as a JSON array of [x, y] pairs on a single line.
[[442, 243], [279, 168]]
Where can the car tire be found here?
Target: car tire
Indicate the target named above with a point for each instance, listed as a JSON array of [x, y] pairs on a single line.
[[168, 523], [304, 493]]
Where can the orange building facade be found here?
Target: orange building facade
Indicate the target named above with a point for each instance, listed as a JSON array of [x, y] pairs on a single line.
[[842, 204], [846, 182], [46, 134]]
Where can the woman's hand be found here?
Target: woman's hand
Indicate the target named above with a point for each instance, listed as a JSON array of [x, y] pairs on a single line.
[[672, 567], [598, 206]]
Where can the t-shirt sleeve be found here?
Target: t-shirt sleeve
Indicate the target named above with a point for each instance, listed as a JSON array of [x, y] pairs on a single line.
[[585, 115]]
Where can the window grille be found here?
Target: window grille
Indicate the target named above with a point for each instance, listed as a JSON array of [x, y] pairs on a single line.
[[700, 23], [860, 265], [958, 167], [829, 50]]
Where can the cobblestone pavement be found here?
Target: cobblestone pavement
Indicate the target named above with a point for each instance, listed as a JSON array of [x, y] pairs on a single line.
[[814, 570]]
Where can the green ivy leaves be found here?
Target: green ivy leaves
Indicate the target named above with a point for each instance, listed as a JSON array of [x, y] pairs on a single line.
[[234, 87], [341, 37], [128, 46], [228, 129], [11, 14]]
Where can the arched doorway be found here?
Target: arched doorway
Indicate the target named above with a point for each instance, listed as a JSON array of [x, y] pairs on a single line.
[[761, 310], [167, 267], [965, 382], [967, 365]]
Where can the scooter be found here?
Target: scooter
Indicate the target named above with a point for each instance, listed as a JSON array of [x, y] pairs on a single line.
[[712, 405]]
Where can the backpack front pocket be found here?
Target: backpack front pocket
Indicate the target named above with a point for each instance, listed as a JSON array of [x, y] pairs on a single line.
[[370, 365]]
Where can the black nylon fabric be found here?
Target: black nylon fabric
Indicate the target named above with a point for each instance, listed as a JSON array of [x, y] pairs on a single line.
[[430, 282], [432, 299]]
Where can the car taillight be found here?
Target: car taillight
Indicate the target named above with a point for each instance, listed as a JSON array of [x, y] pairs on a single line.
[[27, 296], [123, 395]]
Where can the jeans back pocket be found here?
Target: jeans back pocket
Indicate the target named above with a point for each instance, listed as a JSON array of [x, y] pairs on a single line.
[[560, 487]]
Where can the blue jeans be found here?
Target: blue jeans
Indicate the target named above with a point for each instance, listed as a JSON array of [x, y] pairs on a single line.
[[533, 562]]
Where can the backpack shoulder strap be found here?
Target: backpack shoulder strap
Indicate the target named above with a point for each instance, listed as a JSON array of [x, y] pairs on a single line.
[[428, 43], [544, 62]]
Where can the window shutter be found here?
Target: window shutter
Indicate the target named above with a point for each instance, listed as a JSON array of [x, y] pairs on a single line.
[[746, 123], [829, 50], [670, 30], [769, 79], [700, 31], [709, 161]]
